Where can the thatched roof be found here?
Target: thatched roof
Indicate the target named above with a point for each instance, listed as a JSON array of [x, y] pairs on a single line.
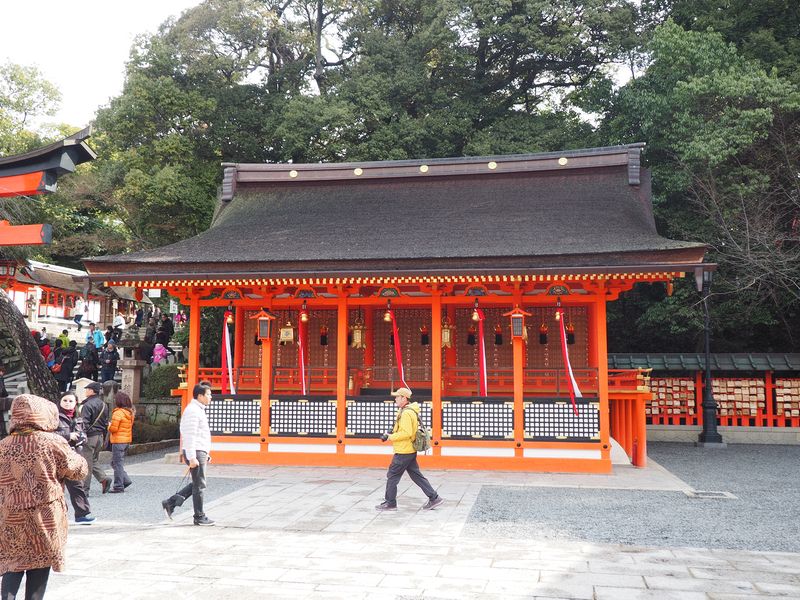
[[591, 210]]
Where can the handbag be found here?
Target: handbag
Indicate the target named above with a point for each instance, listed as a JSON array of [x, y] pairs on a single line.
[[56, 368]]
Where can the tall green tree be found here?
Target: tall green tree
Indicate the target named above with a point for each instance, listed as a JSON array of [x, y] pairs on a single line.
[[767, 31], [25, 95], [723, 142], [459, 77]]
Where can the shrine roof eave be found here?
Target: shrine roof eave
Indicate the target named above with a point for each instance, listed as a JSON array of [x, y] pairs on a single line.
[[685, 260]]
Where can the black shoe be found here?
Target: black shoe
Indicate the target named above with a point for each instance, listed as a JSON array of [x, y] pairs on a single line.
[[431, 504], [105, 484], [125, 485], [168, 507], [204, 521], [386, 506], [116, 491]]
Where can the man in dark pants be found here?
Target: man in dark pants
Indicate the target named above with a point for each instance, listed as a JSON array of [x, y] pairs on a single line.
[[94, 413], [405, 457], [108, 361], [196, 441]]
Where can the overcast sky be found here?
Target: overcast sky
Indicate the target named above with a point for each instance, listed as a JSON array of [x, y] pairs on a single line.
[[80, 46]]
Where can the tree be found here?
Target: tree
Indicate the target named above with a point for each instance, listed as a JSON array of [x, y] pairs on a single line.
[[24, 96], [40, 379], [766, 31], [723, 141]]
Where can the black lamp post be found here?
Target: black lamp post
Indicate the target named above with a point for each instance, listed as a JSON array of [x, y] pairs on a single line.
[[709, 436]]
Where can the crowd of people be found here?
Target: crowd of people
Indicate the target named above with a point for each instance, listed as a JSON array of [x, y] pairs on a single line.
[[60, 445], [97, 359]]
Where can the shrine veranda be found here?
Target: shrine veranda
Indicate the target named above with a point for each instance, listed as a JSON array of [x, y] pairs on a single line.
[[317, 266]]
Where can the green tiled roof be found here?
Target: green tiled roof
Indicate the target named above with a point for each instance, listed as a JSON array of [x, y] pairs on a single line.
[[696, 362]]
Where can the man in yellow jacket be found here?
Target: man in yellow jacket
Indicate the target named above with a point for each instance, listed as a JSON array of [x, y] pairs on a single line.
[[405, 457]]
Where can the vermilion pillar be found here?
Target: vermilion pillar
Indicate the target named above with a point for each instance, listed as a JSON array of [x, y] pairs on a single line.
[[436, 374], [598, 325], [193, 369], [519, 405], [341, 371], [266, 384]]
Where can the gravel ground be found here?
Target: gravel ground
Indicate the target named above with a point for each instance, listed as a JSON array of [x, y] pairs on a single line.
[[141, 502], [765, 515]]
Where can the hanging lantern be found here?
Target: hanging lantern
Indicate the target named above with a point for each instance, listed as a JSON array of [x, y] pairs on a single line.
[[543, 333], [447, 333], [498, 335], [670, 288], [471, 332], [304, 313], [323, 335], [286, 336], [424, 338], [570, 329], [357, 334]]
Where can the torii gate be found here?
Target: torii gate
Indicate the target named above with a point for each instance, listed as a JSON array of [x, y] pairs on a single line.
[[28, 174], [37, 172]]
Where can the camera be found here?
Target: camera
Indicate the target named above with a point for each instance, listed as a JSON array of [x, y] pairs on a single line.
[[82, 438]]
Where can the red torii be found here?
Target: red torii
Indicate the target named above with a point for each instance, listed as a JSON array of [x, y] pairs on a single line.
[[37, 172]]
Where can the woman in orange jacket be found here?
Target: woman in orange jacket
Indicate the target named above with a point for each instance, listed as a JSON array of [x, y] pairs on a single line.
[[121, 428]]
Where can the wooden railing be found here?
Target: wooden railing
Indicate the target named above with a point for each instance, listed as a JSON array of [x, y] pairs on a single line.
[[455, 382]]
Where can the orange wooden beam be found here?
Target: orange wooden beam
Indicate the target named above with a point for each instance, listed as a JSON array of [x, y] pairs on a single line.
[[24, 235], [436, 374], [341, 370], [27, 184]]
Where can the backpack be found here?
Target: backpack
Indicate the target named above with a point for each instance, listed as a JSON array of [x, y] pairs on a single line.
[[422, 439]]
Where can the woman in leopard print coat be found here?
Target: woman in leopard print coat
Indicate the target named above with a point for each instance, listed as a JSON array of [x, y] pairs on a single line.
[[34, 462]]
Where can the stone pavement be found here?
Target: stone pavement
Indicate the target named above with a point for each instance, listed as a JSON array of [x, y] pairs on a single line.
[[314, 533]]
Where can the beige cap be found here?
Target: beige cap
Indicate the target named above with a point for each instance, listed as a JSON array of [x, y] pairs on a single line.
[[404, 392]]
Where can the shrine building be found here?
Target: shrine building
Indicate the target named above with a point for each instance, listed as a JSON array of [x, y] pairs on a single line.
[[479, 283]]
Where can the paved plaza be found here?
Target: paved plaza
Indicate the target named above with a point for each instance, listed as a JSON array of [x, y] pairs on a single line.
[[288, 532]]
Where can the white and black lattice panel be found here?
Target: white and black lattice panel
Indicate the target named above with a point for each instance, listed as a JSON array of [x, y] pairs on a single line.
[[555, 420], [477, 419], [370, 418], [234, 416], [302, 417]]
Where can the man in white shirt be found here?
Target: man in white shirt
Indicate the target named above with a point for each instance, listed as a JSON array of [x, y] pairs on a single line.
[[80, 310], [196, 440], [119, 325]]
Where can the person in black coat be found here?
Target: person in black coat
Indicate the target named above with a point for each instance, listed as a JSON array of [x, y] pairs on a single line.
[[90, 361], [108, 361], [94, 413], [70, 427], [68, 360]]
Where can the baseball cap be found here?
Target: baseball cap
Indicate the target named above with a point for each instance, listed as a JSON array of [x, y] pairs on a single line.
[[95, 386], [403, 391]]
